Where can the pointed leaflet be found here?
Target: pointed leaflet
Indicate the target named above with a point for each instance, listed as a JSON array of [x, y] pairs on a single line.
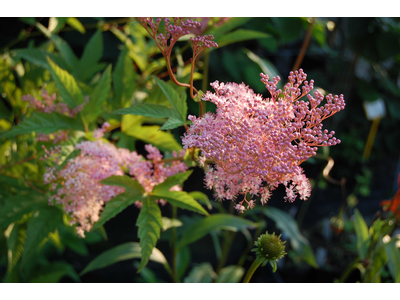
[[65, 50], [361, 229], [289, 226], [148, 110], [91, 56], [165, 141], [126, 182], [38, 57], [124, 78], [116, 205], [180, 199], [217, 221], [93, 109], [172, 123], [66, 84], [177, 102], [120, 253], [45, 123], [15, 245], [44, 221], [171, 181], [150, 224]]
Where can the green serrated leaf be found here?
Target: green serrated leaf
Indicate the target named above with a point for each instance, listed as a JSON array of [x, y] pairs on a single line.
[[38, 57], [124, 79], [171, 124], [66, 84], [217, 221], [126, 182], [120, 253], [171, 181], [15, 245], [18, 206], [93, 109], [148, 110], [361, 229], [165, 141], [116, 205], [65, 50], [150, 224], [44, 123], [240, 35], [44, 221], [393, 255], [289, 226], [54, 272], [173, 97], [180, 199], [91, 56], [202, 198]]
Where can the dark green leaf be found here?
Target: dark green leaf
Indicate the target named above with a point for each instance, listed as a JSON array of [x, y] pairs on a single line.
[[165, 141], [116, 205], [202, 198], [45, 123], [91, 56], [393, 256], [377, 262], [122, 252], [15, 245], [127, 182], [203, 273], [54, 272], [220, 31], [361, 229], [172, 123], [65, 50], [124, 78], [150, 224], [183, 259], [173, 97], [39, 57], [214, 222], [148, 110], [93, 109], [17, 206], [230, 274], [66, 84], [180, 199], [172, 181], [240, 35], [289, 226], [43, 222]]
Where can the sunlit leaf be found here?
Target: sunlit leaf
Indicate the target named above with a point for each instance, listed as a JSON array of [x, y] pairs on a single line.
[[203, 273], [217, 221], [76, 24], [230, 274], [150, 224], [289, 226], [171, 181], [120, 253]]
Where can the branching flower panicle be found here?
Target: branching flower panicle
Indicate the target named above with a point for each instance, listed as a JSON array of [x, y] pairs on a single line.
[[257, 144]]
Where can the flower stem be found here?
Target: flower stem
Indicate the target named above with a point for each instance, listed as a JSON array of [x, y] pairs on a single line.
[[256, 263]]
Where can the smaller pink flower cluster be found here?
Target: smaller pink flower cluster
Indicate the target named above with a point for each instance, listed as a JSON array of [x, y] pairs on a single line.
[[47, 105], [77, 186], [174, 31], [99, 133], [256, 144]]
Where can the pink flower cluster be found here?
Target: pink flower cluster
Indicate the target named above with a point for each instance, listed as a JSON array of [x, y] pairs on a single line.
[[174, 31], [257, 144], [77, 186], [47, 105]]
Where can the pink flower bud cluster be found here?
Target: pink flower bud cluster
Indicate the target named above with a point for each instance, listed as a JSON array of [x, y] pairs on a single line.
[[99, 133], [257, 144], [174, 31], [47, 105], [77, 186]]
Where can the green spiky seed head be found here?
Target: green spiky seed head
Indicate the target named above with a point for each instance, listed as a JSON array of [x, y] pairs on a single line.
[[269, 247]]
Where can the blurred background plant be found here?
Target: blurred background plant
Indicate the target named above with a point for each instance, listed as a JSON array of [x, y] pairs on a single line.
[[339, 234]]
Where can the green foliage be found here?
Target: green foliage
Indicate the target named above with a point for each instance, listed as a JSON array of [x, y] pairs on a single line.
[[216, 221], [120, 253], [362, 234], [289, 226]]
